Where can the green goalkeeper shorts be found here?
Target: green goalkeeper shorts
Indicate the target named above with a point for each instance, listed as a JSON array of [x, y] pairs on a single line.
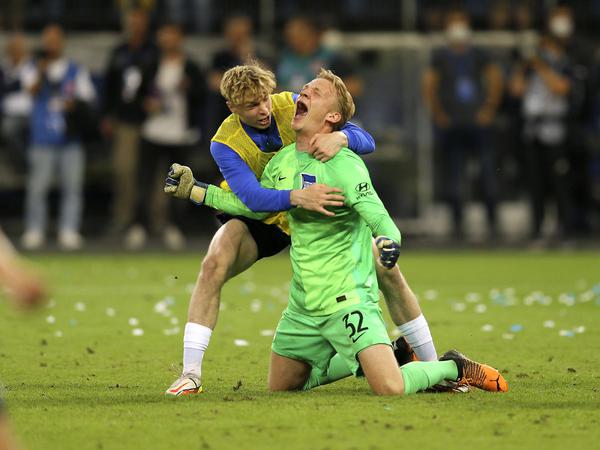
[[315, 339]]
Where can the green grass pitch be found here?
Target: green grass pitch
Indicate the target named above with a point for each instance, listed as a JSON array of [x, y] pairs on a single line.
[[88, 372]]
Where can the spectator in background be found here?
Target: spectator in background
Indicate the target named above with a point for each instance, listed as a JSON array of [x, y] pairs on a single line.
[[499, 16], [123, 111], [196, 15], [172, 93], [59, 87], [463, 89], [303, 56], [561, 25], [238, 33], [544, 83], [16, 101]]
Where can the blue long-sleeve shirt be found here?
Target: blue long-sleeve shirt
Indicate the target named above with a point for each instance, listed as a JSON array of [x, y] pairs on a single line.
[[242, 180]]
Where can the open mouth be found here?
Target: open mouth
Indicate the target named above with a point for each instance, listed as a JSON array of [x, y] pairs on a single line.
[[301, 109], [265, 121]]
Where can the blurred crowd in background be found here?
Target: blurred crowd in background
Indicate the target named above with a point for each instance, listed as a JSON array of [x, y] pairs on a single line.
[[528, 118]]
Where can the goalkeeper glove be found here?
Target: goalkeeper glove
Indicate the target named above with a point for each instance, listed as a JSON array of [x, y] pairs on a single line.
[[180, 183], [389, 251]]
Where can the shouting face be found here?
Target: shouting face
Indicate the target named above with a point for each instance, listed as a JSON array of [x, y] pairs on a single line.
[[316, 106]]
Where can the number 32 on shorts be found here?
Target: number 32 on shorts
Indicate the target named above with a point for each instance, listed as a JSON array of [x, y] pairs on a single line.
[[354, 322]]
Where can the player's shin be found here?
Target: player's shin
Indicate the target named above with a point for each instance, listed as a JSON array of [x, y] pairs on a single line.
[[417, 334], [336, 370], [419, 376], [195, 342], [406, 313]]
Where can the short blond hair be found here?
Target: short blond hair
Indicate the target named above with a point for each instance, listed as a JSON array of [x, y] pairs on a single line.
[[249, 81], [344, 98]]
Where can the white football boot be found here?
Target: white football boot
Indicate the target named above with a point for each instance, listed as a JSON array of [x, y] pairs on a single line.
[[186, 384]]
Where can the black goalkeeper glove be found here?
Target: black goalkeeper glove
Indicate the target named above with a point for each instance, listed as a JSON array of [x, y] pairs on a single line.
[[389, 251]]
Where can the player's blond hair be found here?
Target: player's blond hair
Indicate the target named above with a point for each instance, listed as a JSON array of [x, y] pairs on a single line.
[[344, 98], [250, 81]]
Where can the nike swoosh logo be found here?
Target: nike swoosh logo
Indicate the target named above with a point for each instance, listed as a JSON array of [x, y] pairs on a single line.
[[282, 178], [178, 387], [358, 337]]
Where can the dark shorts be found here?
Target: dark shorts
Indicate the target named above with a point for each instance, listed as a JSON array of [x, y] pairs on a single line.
[[269, 239]]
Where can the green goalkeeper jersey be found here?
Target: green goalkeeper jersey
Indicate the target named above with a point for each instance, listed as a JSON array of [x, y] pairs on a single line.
[[332, 257]]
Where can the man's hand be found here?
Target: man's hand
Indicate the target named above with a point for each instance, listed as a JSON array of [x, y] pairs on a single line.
[[389, 251], [325, 146], [316, 196], [180, 183], [25, 288]]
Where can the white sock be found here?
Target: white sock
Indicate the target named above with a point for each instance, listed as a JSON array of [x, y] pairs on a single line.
[[417, 334], [195, 342]]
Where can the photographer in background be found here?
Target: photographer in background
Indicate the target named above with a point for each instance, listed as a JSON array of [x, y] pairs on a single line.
[[62, 91], [463, 89], [16, 101], [544, 82]]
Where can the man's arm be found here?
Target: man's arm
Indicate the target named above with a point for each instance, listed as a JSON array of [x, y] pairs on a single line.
[[25, 288], [352, 174], [259, 198], [180, 183], [227, 202], [495, 87], [242, 181]]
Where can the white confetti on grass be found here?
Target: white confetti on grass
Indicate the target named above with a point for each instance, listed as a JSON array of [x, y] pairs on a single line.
[[255, 305], [171, 331], [276, 292], [549, 324], [58, 333], [110, 312], [241, 343], [174, 320], [137, 332], [566, 333], [51, 319], [567, 299], [488, 327], [480, 308], [459, 307], [80, 306], [267, 333], [472, 297], [248, 287], [508, 336], [430, 294], [134, 322], [579, 330]]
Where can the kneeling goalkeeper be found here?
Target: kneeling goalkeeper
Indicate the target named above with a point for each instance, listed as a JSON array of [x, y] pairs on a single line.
[[333, 301]]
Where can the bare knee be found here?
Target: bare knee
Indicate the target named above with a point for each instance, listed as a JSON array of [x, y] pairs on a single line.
[[213, 270]]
